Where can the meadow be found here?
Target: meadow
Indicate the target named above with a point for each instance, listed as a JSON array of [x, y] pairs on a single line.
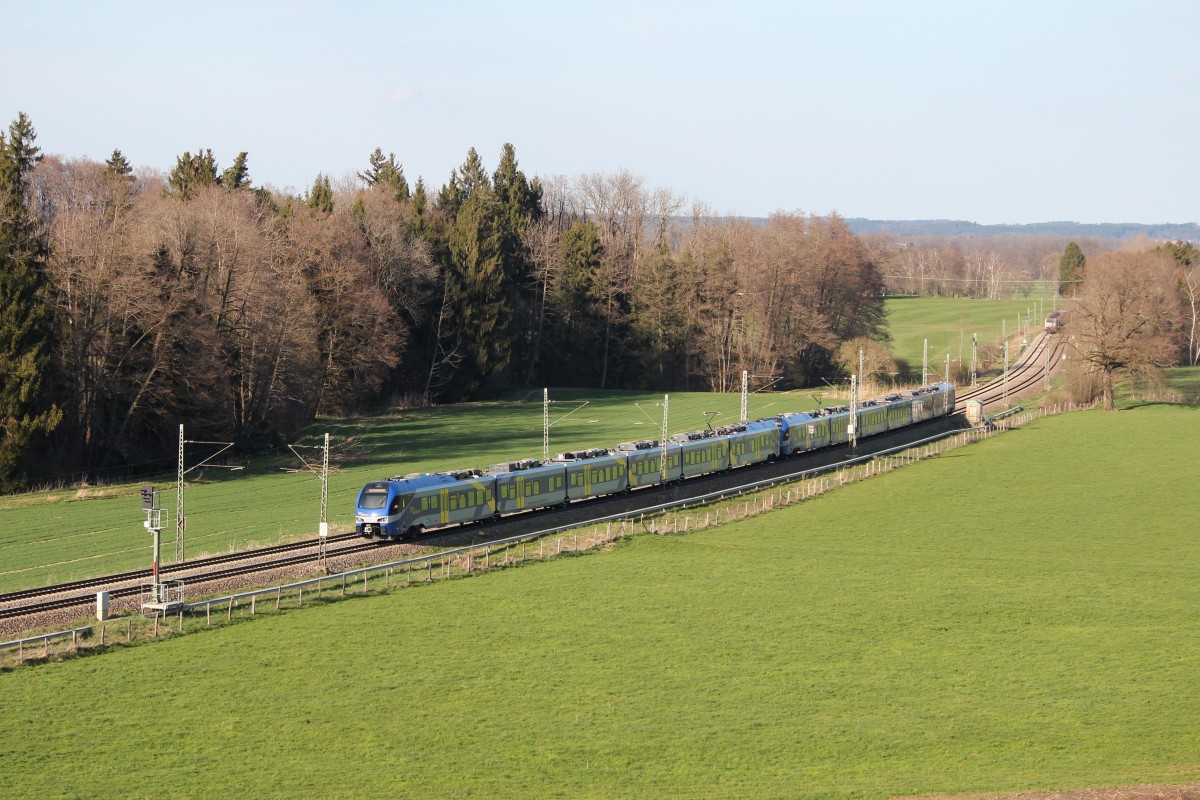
[[1017, 614], [949, 322], [59, 536]]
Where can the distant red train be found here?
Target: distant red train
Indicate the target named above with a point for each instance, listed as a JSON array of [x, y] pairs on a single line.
[[1056, 322]]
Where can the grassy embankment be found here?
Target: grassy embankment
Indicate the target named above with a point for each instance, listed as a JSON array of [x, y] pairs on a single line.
[[1018, 614]]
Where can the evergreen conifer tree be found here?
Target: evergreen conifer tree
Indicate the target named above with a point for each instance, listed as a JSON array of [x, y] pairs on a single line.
[[117, 165], [484, 315], [320, 197], [518, 204], [238, 174], [192, 173], [24, 315], [386, 174], [420, 207], [1070, 268]]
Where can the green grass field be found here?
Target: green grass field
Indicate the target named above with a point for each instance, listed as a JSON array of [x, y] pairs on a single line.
[[1017, 614], [1184, 380], [948, 323]]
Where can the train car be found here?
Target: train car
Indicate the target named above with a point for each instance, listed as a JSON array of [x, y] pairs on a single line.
[[752, 442], [529, 484], [1056, 322], [405, 506], [902, 410], [702, 452], [591, 473], [872, 418], [399, 507], [644, 461]]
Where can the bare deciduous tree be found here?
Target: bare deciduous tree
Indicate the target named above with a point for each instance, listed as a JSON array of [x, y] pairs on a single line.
[[1126, 318]]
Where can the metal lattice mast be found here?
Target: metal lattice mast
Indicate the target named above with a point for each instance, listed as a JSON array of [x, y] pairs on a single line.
[[974, 359], [662, 452], [1006, 373], [860, 366], [325, 486], [925, 365], [180, 519], [545, 424], [947, 367], [323, 525], [1046, 363], [745, 397], [853, 427]]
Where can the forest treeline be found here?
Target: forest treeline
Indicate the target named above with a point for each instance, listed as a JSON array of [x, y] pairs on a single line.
[[131, 302], [134, 301]]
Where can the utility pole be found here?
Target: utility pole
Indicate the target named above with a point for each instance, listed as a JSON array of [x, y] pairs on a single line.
[[323, 474], [925, 365], [745, 397], [1046, 362], [180, 519], [1006, 373], [860, 367], [323, 525], [545, 425], [662, 450], [852, 428], [947, 367], [974, 359]]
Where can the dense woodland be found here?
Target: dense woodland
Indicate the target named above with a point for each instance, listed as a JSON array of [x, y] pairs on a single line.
[[133, 301]]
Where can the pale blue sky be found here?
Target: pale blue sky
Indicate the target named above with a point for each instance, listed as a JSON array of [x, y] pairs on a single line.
[[985, 111]]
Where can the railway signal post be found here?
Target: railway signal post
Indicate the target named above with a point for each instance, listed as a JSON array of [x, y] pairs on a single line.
[[165, 596]]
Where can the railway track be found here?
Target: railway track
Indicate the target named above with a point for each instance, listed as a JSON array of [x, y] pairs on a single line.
[[67, 595], [1026, 374]]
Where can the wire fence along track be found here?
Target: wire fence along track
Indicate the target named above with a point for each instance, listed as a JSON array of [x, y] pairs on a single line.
[[45, 639], [681, 516]]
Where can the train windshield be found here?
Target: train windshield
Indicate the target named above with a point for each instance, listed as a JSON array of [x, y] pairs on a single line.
[[373, 498]]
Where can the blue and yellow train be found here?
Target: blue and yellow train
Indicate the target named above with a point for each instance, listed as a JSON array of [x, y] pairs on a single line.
[[406, 506]]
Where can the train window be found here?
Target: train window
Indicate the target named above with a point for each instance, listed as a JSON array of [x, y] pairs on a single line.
[[373, 498]]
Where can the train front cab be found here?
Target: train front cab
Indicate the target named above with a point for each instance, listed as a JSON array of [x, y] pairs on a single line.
[[374, 514]]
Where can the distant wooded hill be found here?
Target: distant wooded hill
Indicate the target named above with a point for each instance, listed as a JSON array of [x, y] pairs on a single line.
[[1185, 231]]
